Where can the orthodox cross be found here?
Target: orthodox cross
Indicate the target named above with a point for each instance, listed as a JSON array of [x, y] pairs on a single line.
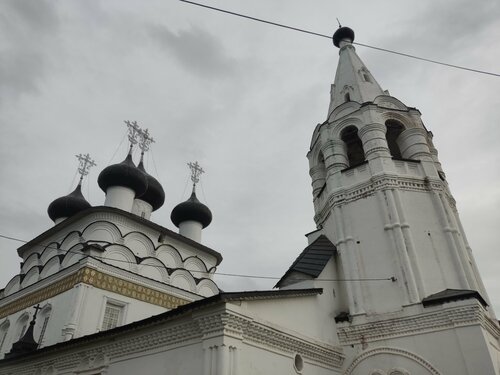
[[85, 164], [196, 172], [145, 141], [133, 132], [37, 307]]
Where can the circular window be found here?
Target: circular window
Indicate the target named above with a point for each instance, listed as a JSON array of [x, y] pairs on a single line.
[[298, 363]]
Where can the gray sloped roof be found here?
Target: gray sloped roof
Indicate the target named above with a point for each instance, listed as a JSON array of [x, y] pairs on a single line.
[[449, 295], [313, 258]]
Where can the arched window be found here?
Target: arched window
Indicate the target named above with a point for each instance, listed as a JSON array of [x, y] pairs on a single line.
[[22, 326], [354, 147], [42, 322], [4, 329], [394, 130], [347, 97]]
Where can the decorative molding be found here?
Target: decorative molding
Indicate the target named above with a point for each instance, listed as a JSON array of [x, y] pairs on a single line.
[[472, 314], [377, 183], [394, 351], [165, 335], [99, 280]]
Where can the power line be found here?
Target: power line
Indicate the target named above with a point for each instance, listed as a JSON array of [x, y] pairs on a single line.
[[101, 259], [329, 37]]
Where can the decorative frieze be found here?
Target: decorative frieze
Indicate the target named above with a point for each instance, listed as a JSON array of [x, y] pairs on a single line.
[[99, 280]]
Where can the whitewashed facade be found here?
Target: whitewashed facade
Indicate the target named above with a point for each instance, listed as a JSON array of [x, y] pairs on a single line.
[[387, 285]]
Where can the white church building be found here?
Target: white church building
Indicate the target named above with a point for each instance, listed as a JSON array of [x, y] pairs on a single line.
[[108, 291]]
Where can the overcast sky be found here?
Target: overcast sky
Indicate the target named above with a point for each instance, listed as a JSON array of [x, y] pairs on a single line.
[[242, 98]]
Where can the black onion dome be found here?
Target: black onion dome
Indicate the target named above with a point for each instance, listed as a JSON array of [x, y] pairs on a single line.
[[192, 210], [343, 33], [123, 174], [154, 195], [68, 205]]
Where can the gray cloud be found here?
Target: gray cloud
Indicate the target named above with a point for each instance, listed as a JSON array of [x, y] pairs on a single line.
[[196, 50], [25, 28]]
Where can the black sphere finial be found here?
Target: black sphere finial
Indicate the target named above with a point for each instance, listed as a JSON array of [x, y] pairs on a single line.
[[342, 33]]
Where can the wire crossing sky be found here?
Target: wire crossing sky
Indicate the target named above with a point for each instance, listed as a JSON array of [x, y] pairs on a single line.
[[329, 37]]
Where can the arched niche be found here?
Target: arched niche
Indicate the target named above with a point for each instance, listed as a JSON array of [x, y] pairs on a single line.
[[153, 268], [353, 144], [169, 256], [196, 266], [102, 231], [52, 266], [121, 257], [207, 288], [394, 130], [182, 279], [4, 331], [139, 244]]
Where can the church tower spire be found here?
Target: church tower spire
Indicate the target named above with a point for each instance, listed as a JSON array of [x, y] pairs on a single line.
[[353, 81], [381, 197]]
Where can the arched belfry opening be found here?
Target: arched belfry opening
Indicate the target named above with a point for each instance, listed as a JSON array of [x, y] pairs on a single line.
[[394, 130], [354, 146], [321, 165]]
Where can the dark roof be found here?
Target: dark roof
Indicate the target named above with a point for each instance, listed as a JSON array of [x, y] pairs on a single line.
[[158, 319], [123, 174], [68, 205], [128, 215], [154, 195], [313, 259], [193, 210], [449, 295]]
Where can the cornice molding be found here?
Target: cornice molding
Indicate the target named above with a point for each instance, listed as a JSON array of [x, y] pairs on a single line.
[[182, 331], [447, 318]]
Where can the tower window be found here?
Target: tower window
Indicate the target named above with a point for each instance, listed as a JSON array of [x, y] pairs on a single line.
[[354, 146], [394, 130], [347, 97], [366, 77]]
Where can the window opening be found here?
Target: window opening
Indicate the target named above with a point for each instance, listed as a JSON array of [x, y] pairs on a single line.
[[394, 130], [3, 332], [354, 146], [347, 97], [366, 77], [23, 330], [112, 315]]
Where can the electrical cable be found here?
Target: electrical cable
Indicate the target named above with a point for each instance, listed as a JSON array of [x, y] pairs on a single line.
[[213, 273], [119, 145], [329, 37]]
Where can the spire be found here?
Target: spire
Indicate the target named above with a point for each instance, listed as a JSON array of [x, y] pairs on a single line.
[[353, 81]]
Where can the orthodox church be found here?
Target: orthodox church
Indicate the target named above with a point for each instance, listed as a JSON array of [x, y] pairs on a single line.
[[108, 291]]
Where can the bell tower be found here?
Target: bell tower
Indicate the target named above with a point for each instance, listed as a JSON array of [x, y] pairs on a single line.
[[381, 197]]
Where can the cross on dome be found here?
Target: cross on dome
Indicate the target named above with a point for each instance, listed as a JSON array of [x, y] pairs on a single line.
[[196, 172], [134, 131], [145, 141], [85, 164]]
